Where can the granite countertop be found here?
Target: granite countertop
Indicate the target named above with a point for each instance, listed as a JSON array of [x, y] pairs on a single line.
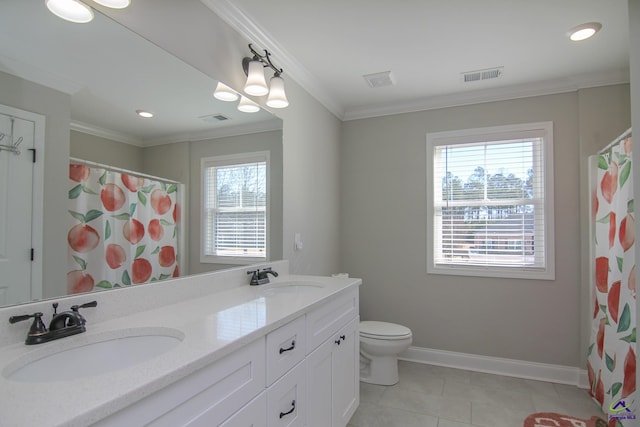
[[211, 327]]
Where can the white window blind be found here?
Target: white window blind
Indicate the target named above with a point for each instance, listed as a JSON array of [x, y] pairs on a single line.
[[490, 203], [235, 208]]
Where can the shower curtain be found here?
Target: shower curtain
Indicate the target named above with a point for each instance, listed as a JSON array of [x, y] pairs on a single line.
[[611, 362], [123, 229]]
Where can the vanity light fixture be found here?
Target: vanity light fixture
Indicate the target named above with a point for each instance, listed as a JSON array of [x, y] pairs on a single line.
[[248, 106], [584, 31], [256, 83], [145, 114], [225, 93], [78, 12]]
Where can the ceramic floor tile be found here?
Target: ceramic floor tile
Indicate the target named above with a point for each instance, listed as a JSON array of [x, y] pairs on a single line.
[[372, 415], [433, 396], [448, 423], [371, 392], [496, 415], [494, 396], [451, 408]]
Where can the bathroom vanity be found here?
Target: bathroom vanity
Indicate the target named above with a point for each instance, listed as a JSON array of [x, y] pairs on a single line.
[[281, 354]]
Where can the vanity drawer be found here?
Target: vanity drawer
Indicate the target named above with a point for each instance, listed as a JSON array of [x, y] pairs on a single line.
[[206, 397], [287, 399], [327, 319], [252, 415], [285, 348]]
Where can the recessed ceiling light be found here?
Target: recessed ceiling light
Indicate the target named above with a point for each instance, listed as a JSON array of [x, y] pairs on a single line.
[[144, 114], [584, 31], [114, 4], [70, 10]]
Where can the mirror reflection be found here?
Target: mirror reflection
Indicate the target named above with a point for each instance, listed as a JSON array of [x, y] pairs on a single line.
[[71, 92]]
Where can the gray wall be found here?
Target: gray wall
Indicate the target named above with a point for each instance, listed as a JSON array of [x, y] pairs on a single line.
[[55, 106], [265, 141], [384, 236], [105, 151]]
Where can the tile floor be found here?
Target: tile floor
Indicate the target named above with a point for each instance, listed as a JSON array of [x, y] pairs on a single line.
[[432, 396]]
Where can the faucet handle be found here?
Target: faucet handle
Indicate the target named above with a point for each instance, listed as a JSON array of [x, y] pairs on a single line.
[[37, 327], [75, 309]]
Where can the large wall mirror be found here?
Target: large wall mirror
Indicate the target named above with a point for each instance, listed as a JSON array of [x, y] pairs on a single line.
[[87, 81]]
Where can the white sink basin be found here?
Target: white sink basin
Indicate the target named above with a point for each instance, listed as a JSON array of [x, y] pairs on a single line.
[[106, 355]]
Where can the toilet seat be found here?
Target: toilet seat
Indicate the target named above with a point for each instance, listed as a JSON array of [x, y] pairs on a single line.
[[383, 330]]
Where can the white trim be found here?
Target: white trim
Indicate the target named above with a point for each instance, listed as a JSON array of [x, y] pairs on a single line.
[[222, 132], [497, 365], [542, 130]]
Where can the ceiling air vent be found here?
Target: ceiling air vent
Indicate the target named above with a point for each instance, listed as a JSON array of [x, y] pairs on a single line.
[[214, 118], [486, 74], [379, 79]]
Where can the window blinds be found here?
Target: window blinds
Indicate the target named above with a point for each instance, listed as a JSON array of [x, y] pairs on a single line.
[[489, 204]]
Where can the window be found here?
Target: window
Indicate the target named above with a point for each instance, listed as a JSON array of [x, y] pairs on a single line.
[[490, 202], [235, 208]]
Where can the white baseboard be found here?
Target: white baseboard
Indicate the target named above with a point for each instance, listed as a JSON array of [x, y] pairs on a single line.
[[497, 365]]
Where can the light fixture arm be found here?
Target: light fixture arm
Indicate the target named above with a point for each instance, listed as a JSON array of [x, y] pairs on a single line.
[[264, 59]]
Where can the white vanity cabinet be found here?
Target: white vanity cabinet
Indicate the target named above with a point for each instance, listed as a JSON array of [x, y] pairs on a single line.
[[304, 373], [333, 367]]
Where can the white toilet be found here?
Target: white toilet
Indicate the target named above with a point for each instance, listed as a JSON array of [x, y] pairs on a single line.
[[380, 344]]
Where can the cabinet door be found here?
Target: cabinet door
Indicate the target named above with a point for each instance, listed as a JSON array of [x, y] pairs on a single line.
[[345, 366], [319, 384], [333, 379]]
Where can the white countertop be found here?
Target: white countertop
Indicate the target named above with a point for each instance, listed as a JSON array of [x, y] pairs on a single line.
[[212, 326]]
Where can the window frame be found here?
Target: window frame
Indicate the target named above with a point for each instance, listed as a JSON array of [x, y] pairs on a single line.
[[229, 160], [542, 130]]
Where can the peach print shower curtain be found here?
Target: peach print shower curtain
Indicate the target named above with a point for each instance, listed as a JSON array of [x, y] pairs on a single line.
[[123, 229], [612, 352]]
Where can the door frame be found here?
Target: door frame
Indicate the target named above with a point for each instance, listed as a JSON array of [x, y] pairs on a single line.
[[37, 194]]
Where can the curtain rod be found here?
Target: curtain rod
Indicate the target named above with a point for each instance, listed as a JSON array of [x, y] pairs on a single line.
[[116, 169], [615, 141]]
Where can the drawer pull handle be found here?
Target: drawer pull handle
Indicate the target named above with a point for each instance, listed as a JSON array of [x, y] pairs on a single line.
[[293, 345], [342, 337], [293, 408], [337, 342]]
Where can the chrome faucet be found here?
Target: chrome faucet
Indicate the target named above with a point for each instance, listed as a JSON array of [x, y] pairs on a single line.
[[261, 277], [62, 324]]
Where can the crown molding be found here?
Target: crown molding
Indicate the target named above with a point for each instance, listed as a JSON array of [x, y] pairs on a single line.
[[548, 87], [106, 133], [242, 23], [223, 132]]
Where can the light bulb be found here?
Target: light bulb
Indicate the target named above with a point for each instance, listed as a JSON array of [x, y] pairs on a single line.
[[277, 97], [256, 84], [247, 106], [224, 93]]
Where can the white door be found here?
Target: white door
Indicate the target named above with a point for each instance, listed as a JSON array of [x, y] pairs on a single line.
[[16, 206]]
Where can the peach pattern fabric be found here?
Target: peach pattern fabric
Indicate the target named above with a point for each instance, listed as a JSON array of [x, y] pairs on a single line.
[[611, 362], [123, 229]]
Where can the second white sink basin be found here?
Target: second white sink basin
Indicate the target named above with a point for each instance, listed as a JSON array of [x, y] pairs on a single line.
[[103, 356]]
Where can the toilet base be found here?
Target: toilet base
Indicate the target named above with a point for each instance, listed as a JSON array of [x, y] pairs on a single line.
[[380, 371]]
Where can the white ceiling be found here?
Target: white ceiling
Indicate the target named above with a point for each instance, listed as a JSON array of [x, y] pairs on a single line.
[[110, 72], [327, 46]]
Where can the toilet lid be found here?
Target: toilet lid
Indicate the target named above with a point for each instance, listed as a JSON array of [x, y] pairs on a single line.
[[374, 329]]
